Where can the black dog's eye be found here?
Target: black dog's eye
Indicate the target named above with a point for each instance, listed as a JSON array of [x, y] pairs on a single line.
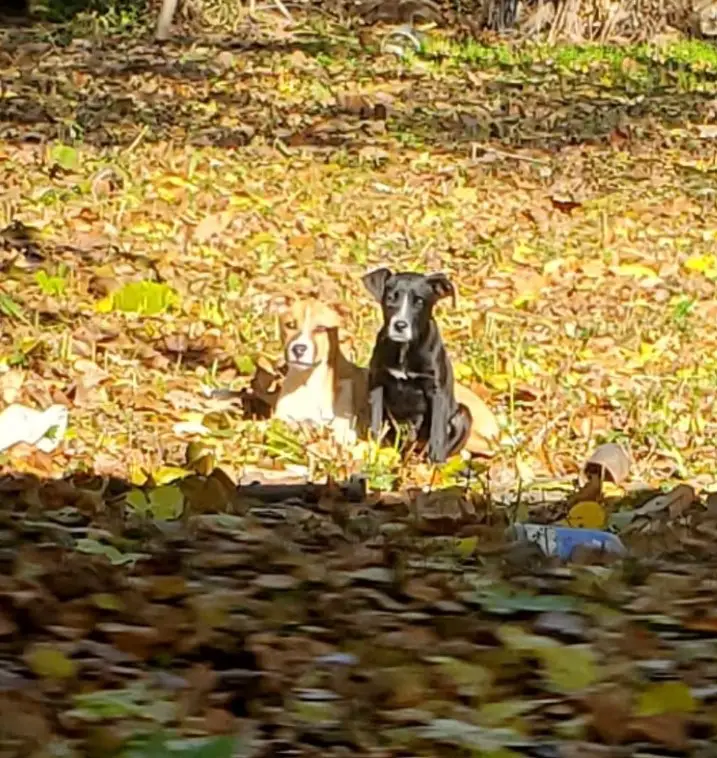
[[392, 297], [418, 301]]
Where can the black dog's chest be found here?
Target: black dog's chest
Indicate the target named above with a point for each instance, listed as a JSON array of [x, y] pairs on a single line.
[[407, 399]]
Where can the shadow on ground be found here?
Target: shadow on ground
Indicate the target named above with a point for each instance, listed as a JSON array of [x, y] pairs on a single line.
[[231, 92], [300, 625]]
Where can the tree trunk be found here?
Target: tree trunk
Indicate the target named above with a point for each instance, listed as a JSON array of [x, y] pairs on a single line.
[[164, 20], [15, 8]]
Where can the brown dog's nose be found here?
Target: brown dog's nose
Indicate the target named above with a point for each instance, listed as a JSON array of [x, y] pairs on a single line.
[[400, 326], [298, 350]]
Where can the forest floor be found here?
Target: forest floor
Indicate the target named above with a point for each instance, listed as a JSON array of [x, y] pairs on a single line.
[[156, 202]]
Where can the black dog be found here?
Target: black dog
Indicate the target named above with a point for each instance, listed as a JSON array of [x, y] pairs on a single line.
[[410, 375]]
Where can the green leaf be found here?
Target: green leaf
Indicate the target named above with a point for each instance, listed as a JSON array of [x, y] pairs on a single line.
[[666, 697], [50, 663], [9, 308], [65, 156], [137, 501], [113, 555], [569, 668], [245, 365], [498, 602], [134, 701], [166, 502], [162, 746], [108, 704], [51, 285]]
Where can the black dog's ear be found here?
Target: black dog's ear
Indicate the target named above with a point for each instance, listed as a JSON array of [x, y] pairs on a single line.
[[442, 287], [375, 281]]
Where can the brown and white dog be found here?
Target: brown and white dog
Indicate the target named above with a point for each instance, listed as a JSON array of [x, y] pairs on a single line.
[[321, 385], [484, 425], [324, 388]]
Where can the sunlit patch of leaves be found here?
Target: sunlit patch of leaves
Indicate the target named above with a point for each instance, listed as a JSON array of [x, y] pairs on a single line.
[[141, 298]]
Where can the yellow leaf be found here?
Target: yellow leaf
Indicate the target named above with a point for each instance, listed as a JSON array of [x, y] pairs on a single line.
[[569, 668], [137, 475], [260, 238], [499, 382], [587, 515], [502, 712], [647, 351], [104, 305], [526, 297], [179, 181], [168, 195], [666, 697], [514, 637], [609, 489], [50, 663], [701, 263], [462, 371], [466, 194], [466, 546], [523, 253], [550, 267], [637, 271], [107, 601], [141, 228], [166, 474]]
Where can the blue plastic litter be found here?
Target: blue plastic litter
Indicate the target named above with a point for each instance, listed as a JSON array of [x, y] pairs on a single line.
[[561, 541]]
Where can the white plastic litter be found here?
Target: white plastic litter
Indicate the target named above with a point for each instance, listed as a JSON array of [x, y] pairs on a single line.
[[41, 429]]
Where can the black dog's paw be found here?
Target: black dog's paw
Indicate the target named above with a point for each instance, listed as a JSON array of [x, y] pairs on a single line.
[[436, 455]]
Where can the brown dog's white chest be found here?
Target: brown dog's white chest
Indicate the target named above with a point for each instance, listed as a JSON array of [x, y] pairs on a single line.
[[307, 395]]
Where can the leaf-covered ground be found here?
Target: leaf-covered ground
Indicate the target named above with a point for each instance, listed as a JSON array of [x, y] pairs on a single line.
[[155, 201]]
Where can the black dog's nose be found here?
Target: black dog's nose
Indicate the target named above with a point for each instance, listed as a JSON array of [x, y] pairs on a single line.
[[298, 350], [400, 326]]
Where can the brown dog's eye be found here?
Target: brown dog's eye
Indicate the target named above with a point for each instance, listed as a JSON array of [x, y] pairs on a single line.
[[290, 324]]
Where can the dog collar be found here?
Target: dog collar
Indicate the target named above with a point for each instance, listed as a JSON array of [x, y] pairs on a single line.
[[398, 373]]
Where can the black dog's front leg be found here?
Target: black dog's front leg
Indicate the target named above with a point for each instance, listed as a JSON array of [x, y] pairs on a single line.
[[437, 441], [376, 403]]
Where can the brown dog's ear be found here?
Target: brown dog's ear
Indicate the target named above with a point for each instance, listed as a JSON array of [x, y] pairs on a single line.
[[279, 304], [442, 287], [375, 281]]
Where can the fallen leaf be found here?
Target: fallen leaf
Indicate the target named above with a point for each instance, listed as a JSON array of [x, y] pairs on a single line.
[[166, 502], [665, 697], [50, 663], [587, 515], [610, 710], [668, 729], [570, 668], [212, 226]]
